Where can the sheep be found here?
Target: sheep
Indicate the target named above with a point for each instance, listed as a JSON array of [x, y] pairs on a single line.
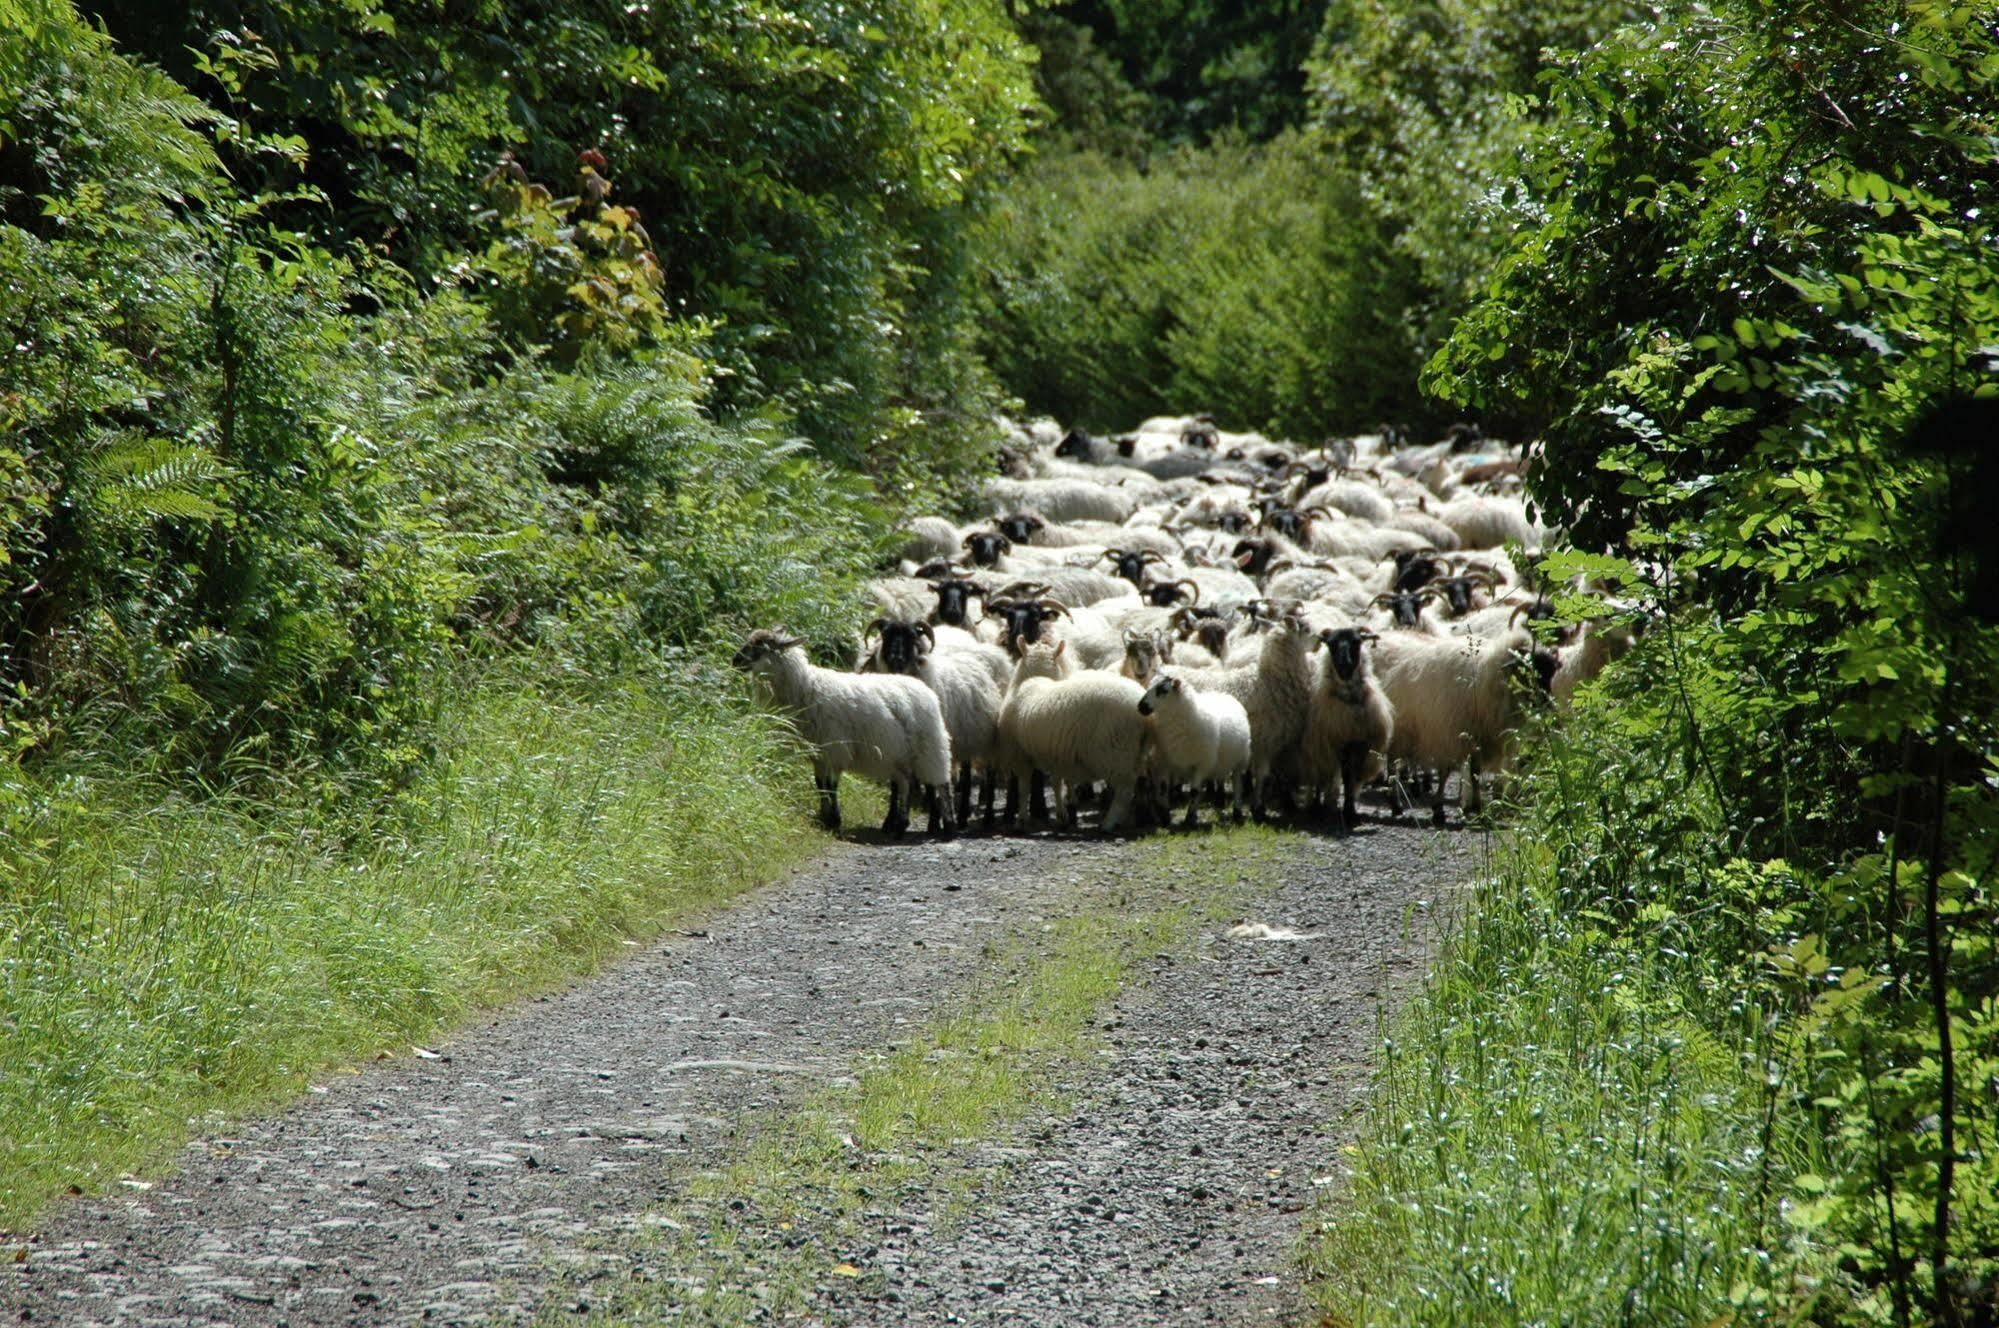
[[1489, 523], [1074, 727], [1351, 725], [1144, 652], [883, 727], [1453, 701], [1275, 687], [930, 537], [1198, 738], [969, 678], [1061, 500], [1576, 664]]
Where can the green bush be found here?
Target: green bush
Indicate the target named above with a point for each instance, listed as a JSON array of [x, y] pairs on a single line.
[[1240, 280], [1758, 327], [805, 169]]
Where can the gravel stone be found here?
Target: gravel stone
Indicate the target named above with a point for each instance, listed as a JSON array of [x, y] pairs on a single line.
[[472, 1182]]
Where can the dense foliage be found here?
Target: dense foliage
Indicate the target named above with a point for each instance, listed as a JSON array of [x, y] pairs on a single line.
[[1753, 295], [1362, 235], [804, 169], [1214, 278]]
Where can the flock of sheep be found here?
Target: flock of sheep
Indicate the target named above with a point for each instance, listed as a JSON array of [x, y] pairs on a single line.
[[1187, 612]]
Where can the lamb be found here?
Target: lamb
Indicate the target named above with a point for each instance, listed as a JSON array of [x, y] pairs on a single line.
[[1075, 727], [1197, 738], [1453, 701], [1276, 689], [969, 679], [881, 726], [1347, 736]]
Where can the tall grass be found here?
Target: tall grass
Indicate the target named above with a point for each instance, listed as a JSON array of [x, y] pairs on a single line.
[[1581, 1117], [162, 958]]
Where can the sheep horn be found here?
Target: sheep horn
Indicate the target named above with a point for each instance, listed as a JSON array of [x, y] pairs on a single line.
[[1382, 601], [1148, 556], [1513, 618], [1111, 553], [929, 636], [1195, 588], [873, 629], [1051, 608]]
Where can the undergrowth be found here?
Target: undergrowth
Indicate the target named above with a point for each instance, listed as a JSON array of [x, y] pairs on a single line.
[[165, 958]]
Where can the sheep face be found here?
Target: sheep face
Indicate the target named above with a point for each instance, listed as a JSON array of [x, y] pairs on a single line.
[[953, 598], [1458, 592], [903, 644], [1165, 594], [1020, 527], [1415, 569], [1023, 619], [1405, 607], [1253, 555], [762, 645], [1287, 522], [1343, 647], [1076, 443], [1161, 687], [1131, 563], [1144, 652], [987, 546]]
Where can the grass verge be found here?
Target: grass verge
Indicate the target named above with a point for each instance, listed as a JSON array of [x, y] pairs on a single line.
[[1553, 1137], [165, 961], [788, 1220]]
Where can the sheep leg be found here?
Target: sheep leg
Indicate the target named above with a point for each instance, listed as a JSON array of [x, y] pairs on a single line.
[[1120, 807], [943, 825], [965, 794], [1193, 818], [1240, 784], [1353, 760], [897, 819], [1437, 807], [986, 798], [1037, 798], [1471, 797], [828, 785]]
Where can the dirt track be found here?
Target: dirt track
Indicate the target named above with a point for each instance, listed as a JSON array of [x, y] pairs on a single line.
[[452, 1187]]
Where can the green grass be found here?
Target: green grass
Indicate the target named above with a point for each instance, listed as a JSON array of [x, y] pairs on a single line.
[[759, 1238], [166, 963], [1552, 1138]]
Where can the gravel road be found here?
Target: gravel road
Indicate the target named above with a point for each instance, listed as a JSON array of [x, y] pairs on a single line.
[[445, 1185]]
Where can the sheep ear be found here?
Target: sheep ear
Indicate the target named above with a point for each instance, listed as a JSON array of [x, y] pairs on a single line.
[[1060, 646]]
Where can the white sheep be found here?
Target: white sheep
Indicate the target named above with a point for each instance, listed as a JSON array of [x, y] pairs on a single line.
[[1275, 687], [1489, 523], [1076, 728], [880, 726], [1454, 702], [1198, 738], [1061, 500], [969, 677]]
